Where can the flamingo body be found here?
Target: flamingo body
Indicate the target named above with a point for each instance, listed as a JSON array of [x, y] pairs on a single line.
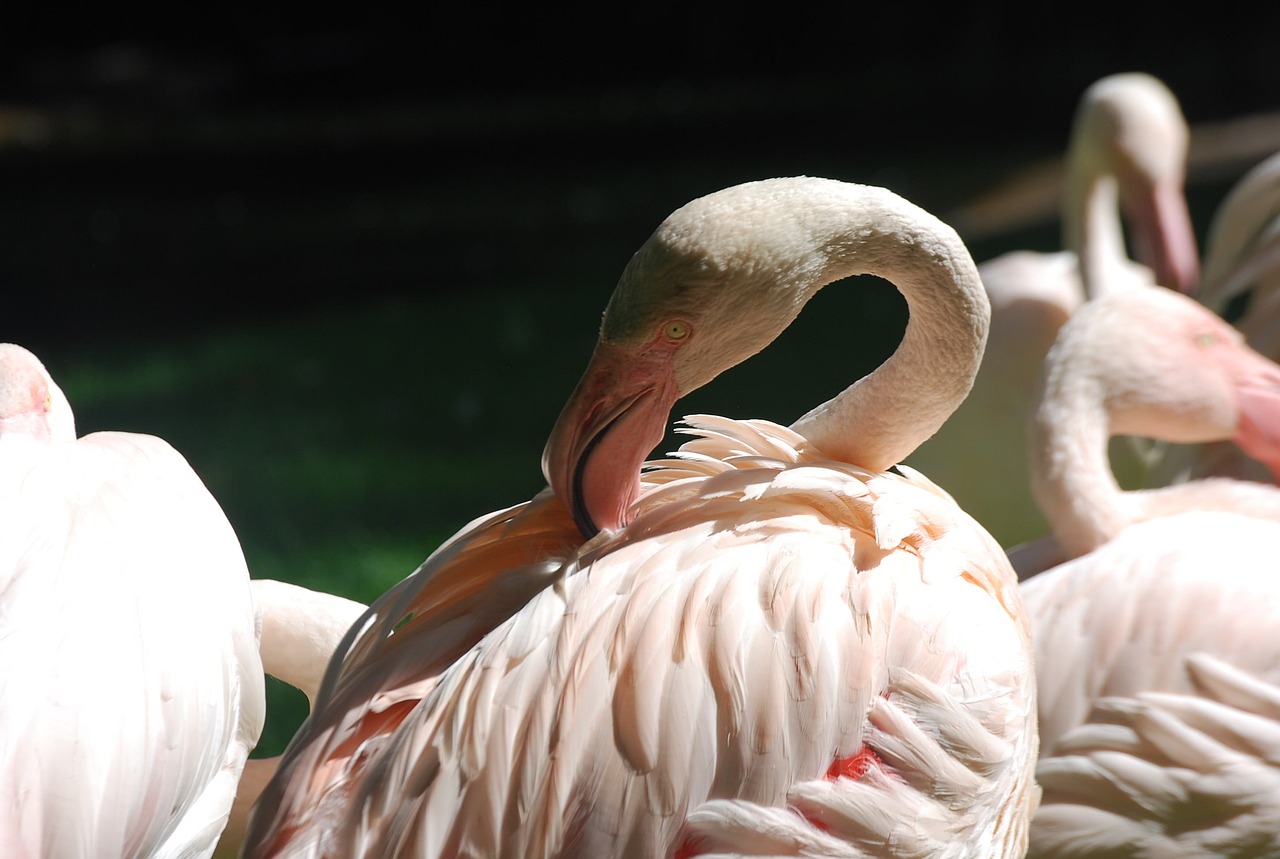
[[1160, 693], [131, 688]]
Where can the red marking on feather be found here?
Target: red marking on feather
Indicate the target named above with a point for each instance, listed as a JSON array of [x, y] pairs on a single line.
[[855, 766], [688, 848]]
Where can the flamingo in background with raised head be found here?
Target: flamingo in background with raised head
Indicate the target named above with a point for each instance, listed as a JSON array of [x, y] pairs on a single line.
[[774, 645], [1156, 655], [1127, 156], [131, 687]]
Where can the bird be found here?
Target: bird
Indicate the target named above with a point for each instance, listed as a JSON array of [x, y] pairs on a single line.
[[1153, 615], [131, 686], [1241, 267], [775, 641], [1127, 156]]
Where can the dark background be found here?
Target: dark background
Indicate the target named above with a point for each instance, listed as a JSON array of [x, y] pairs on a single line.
[[351, 261], [158, 175]]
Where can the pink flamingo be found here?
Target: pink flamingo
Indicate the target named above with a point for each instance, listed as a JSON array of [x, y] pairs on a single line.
[[1153, 622], [772, 645]]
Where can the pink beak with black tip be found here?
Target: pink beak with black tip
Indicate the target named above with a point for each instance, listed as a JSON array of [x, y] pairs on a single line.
[[613, 420]]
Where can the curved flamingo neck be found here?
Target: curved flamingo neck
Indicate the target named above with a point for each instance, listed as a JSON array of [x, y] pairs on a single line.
[[880, 419], [1071, 476], [300, 629], [1072, 481], [1091, 224], [1083, 402]]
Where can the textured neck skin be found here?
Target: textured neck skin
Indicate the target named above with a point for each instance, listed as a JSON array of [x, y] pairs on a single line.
[[880, 419]]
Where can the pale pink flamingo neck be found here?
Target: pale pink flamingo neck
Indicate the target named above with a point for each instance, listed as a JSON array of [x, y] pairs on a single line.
[[300, 629], [1243, 254], [880, 419]]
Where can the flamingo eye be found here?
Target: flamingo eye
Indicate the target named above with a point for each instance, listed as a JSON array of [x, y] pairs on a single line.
[[676, 329], [1204, 341], [48, 400]]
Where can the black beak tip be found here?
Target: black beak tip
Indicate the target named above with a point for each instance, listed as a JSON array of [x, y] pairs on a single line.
[[583, 520]]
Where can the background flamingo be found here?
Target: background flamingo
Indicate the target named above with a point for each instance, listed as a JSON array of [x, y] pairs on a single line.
[[1127, 154], [1156, 663], [131, 689], [635, 716]]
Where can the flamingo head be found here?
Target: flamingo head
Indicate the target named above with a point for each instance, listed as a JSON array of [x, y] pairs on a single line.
[[1131, 127], [718, 280], [31, 403], [1191, 377]]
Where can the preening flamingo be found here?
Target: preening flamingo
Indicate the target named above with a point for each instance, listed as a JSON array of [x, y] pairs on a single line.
[[131, 689], [775, 644], [1242, 261], [1156, 654], [1127, 155]]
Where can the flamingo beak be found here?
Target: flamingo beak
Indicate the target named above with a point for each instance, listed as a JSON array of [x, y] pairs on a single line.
[[1164, 239], [1258, 401], [615, 417]]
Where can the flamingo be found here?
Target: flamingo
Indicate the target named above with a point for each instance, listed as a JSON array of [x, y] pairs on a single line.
[[772, 643], [1242, 260], [1128, 151], [131, 687], [1156, 658]]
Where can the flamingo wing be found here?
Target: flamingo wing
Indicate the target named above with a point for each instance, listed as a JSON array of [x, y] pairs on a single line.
[[760, 629], [1169, 774], [391, 656], [1159, 683]]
